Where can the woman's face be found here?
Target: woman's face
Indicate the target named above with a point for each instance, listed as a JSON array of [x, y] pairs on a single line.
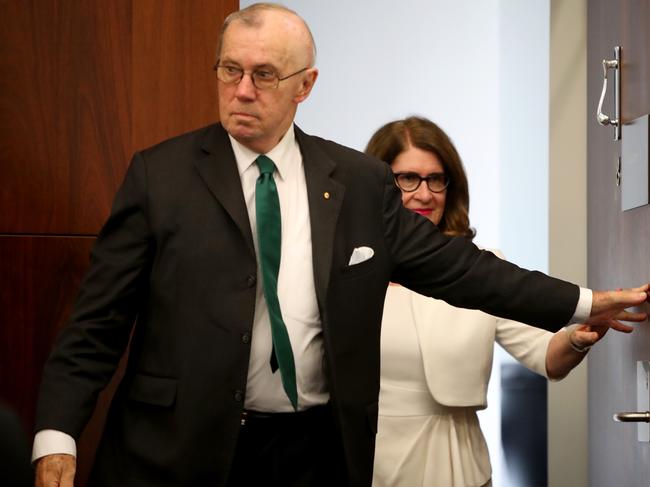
[[422, 200]]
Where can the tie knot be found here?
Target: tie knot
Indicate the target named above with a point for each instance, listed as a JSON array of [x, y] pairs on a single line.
[[266, 165]]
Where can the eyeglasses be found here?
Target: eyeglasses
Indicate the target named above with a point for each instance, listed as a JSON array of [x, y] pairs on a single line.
[[263, 79], [410, 181]]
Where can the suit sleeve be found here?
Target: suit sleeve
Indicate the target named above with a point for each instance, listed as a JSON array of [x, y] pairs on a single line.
[[455, 270], [88, 349]]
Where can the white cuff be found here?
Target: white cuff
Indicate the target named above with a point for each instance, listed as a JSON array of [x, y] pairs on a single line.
[[583, 308], [50, 442]]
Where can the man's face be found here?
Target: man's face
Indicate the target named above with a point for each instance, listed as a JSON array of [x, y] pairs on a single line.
[[259, 118]]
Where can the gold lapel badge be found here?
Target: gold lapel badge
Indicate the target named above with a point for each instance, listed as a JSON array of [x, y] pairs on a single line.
[[326, 195]]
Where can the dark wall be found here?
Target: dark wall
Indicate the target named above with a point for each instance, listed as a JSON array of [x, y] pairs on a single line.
[[83, 84]]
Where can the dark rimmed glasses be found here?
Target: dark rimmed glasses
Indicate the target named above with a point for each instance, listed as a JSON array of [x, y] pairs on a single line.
[[263, 79], [408, 182]]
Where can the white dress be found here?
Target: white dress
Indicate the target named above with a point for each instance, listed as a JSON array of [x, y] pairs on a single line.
[[421, 442]]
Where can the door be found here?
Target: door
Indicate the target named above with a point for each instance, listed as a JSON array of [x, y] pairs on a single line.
[[618, 242]]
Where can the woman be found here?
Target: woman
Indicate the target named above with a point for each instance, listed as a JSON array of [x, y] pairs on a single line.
[[436, 359]]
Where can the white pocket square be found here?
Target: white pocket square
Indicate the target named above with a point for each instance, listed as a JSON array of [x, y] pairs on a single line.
[[360, 254]]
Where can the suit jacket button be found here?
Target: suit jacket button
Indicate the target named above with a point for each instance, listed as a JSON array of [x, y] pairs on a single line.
[[246, 337], [251, 280], [238, 396]]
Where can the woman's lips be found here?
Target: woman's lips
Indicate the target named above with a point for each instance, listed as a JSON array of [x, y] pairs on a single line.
[[423, 211]]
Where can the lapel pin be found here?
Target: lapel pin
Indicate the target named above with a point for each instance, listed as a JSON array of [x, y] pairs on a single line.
[[326, 195]]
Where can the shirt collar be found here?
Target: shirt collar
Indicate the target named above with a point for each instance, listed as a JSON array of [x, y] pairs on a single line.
[[279, 154]]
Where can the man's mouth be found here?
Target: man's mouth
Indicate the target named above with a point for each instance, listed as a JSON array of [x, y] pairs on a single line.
[[243, 115]]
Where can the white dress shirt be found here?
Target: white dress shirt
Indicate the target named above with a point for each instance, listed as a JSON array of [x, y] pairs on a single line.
[[296, 290]]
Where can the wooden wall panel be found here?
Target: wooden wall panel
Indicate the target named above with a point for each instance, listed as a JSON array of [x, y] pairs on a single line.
[[65, 115], [173, 91], [83, 84], [39, 277]]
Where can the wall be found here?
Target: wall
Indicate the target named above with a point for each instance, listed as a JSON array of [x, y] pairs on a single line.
[[523, 135], [523, 116], [423, 58], [84, 84], [568, 225]]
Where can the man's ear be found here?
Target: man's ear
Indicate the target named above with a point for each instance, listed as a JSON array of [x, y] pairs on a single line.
[[307, 83]]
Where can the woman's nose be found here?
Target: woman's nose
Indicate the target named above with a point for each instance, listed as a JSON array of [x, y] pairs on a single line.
[[423, 193]]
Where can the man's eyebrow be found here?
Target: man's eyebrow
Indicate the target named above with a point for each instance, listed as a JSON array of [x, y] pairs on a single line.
[[257, 67], [266, 66], [228, 61]]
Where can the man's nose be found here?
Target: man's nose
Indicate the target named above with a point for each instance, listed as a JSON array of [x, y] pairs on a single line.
[[245, 88]]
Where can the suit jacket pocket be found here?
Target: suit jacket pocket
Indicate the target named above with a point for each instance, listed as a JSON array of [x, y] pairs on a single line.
[[157, 391], [357, 270]]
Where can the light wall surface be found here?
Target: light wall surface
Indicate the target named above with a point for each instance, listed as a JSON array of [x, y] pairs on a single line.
[[383, 60], [567, 400], [523, 136]]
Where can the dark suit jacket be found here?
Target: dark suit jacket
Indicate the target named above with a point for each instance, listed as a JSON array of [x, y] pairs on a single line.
[[177, 256], [15, 464]]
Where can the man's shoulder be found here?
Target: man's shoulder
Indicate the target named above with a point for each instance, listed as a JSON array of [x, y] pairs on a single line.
[[340, 153], [330, 146], [185, 144]]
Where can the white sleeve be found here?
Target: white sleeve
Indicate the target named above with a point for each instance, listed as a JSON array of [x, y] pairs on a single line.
[[583, 308], [525, 343], [50, 442]]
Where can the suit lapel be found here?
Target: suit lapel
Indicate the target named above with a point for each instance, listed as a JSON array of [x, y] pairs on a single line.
[[325, 196], [218, 169]]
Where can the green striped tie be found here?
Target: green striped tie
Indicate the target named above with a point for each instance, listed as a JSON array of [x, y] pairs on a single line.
[[269, 236]]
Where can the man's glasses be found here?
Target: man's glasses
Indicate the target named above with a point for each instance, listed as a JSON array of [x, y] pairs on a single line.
[[263, 79], [410, 181]]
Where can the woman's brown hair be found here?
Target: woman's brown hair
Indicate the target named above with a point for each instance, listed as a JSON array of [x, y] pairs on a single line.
[[395, 137]]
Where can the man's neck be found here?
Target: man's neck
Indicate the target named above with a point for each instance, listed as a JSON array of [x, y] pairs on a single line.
[[261, 147]]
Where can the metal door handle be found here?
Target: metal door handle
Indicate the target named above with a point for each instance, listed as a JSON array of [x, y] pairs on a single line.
[[635, 417], [603, 119]]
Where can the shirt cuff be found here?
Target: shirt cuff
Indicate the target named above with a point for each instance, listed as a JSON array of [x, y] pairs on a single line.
[[50, 442], [583, 308]]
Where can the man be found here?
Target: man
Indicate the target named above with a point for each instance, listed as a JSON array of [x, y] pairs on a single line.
[[245, 367]]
